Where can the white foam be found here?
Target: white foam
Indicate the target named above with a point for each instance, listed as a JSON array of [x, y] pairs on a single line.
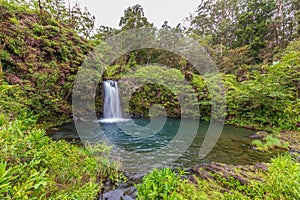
[[112, 120]]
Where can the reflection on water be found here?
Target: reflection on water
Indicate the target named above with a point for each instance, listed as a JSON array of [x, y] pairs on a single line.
[[233, 147]]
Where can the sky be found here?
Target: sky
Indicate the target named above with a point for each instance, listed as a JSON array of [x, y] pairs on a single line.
[[109, 12]]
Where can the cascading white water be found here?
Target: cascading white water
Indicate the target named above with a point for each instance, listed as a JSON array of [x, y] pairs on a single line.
[[112, 105]]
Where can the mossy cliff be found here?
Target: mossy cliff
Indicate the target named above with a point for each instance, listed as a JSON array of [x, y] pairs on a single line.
[[40, 55]]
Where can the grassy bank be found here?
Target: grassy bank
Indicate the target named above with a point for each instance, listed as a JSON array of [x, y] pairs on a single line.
[[34, 166]]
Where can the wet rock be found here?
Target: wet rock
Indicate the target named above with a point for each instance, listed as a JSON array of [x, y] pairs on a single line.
[[226, 172], [192, 179], [131, 191], [259, 134], [134, 177], [295, 154], [261, 166], [122, 192], [108, 186], [200, 173], [219, 171]]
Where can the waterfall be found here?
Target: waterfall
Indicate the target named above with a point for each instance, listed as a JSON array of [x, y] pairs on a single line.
[[112, 105]]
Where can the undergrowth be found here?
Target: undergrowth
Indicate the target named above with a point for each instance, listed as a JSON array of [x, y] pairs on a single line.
[[281, 181]]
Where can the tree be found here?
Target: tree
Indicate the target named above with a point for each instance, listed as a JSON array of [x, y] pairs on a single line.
[[134, 17], [73, 17], [265, 26], [214, 26], [254, 26], [104, 32], [296, 6], [217, 19], [85, 23], [284, 23]]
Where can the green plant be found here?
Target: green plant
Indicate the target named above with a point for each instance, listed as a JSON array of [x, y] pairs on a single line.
[[270, 142], [2, 120], [166, 184], [6, 178], [282, 181], [160, 184]]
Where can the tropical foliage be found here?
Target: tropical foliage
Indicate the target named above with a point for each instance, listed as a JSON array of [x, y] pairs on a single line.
[[32, 165], [256, 48]]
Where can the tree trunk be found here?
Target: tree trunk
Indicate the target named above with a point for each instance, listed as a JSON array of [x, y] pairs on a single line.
[[40, 6], [148, 56], [1, 73], [278, 21], [298, 89]]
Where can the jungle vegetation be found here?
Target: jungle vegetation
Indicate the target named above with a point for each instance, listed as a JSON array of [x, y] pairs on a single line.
[[255, 45]]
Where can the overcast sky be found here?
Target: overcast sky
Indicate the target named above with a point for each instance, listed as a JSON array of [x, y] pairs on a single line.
[[109, 12]]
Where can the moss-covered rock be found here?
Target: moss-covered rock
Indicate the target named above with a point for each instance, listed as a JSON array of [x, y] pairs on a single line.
[[147, 86]]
